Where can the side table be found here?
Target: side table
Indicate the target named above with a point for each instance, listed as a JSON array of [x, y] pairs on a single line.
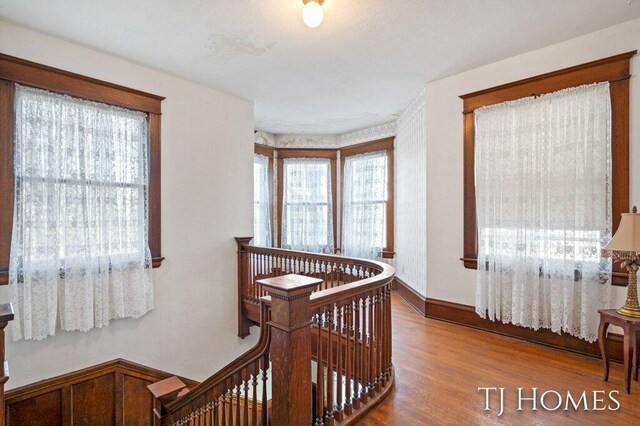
[[629, 325]]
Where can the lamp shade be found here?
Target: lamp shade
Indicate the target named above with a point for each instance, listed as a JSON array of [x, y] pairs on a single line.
[[627, 237]]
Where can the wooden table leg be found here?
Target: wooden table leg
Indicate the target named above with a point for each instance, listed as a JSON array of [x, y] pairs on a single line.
[[635, 357], [602, 335], [629, 352]]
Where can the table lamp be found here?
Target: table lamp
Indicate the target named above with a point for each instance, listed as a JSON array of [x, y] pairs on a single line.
[[625, 248]]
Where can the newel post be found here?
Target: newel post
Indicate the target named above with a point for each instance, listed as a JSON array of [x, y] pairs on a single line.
[[290, 348], [6, 315], [243, 284]]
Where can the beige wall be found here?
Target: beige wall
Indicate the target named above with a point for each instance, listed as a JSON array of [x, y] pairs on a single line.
[[446, 277], [207, 151]]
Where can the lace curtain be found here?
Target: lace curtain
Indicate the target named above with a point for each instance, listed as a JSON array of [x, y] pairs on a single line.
[[543, 200], [307, 216], [364, 205], [261, 201], [79, 251]]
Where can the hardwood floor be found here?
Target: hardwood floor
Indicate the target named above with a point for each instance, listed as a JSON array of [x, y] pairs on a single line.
[[439, 367]]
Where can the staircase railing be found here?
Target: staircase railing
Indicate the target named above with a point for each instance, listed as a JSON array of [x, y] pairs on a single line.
[[325, 337]]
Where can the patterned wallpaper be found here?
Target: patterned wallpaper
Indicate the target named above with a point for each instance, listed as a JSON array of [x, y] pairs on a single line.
[[326, 141], [411, 194]]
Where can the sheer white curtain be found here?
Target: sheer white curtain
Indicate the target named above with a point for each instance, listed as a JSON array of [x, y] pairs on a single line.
[[79, 250], [307, 214], [364, 205], [543, 200], [261, 201]]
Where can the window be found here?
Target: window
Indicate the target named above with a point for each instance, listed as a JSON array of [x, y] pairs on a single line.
[[307, 199], [307, 206], [261, 201], [614, 70], [364, 206], [80, 198], [543, 207]]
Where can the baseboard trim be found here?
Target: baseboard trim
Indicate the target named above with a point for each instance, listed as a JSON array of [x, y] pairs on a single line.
[[466, 315], [414, 298]]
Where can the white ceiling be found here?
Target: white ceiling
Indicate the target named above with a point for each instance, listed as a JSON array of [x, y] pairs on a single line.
[[360, 68]]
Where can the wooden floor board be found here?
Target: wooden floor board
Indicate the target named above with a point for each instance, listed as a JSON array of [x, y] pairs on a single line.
[[439, 367]]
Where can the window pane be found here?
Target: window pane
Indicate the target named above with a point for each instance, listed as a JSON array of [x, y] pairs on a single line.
[[262, 201], [364, 206], [307, 216]]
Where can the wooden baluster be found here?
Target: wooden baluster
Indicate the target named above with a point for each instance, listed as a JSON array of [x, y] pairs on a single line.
[[380, 339], [371, 343], [366, 335], [265, 369], [329, 413], [254, 394], [357, 349], [377, 341], [348, 355], [216, 404], [339, 362], [319, 373], [246, 397]]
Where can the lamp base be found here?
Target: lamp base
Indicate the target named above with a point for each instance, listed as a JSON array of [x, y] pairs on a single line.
[[629, 311]]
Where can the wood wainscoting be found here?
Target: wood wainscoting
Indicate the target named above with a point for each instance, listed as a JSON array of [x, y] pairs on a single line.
[[466, 315], [111, 393]]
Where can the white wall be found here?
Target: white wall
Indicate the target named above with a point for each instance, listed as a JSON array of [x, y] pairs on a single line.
[[207, 152], [410, 192], [447, 279]]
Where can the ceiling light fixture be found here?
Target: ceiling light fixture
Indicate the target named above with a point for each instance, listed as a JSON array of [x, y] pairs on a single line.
[[312, 12]]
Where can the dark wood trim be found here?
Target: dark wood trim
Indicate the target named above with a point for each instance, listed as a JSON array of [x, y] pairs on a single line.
[[615, 70], [56, 80], [279, 201], [612, 68], [414, 298], [385, 144], [118, 365], [58, 400], [7, 125], [307, 153], [265, 150], [155, 204], [19, 71], [466, 315]]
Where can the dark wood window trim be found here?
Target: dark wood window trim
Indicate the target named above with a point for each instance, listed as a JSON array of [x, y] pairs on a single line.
[[283, 153], [19, 71], [386, 145], [615, 70]]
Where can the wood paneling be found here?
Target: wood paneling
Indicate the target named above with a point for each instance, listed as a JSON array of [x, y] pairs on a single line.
[[615, 70], [41, 409], [93, 401], [111, 393], [137, 406]]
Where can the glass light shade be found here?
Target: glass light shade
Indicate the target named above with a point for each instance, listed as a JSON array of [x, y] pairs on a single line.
[[627, 237], [312, 14]]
